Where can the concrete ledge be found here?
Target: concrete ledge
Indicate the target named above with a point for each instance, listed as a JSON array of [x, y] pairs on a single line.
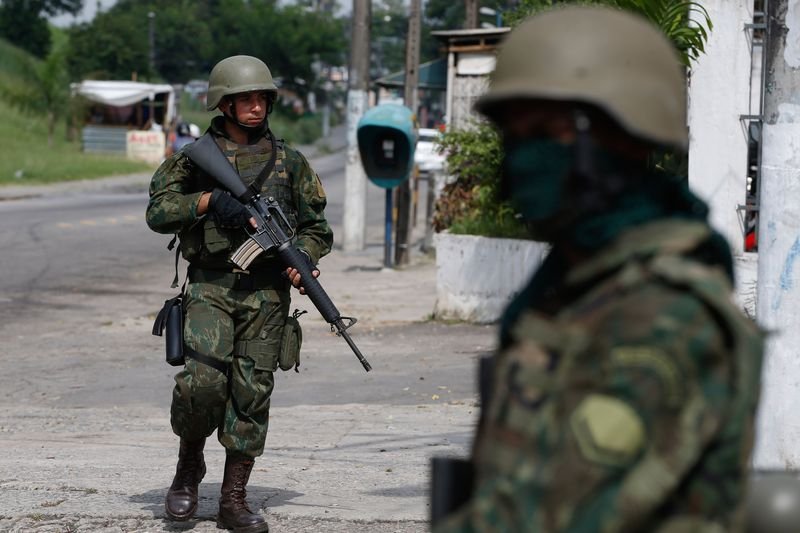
[[476, 277]]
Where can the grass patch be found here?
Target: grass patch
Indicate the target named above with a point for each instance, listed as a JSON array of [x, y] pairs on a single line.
[[27, 159]]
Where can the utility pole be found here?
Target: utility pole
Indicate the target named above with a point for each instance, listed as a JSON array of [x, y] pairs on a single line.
[[403, 240], [354, 223], [778, 296], [472, 8], [151, 40]]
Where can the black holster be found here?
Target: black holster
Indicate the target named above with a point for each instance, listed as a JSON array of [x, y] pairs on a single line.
[[451, 486], [170, 318], [452, 479]]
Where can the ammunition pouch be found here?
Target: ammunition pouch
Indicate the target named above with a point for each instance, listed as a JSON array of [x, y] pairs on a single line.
[[208, 238], [289, 356], [170, 318]]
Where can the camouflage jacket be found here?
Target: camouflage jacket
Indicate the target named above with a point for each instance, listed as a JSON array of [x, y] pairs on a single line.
[[624, 403], [177, 185]]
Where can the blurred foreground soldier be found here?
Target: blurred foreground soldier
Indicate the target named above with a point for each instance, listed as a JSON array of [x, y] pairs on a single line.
[[773, 503], [624, 391], [235, 319]]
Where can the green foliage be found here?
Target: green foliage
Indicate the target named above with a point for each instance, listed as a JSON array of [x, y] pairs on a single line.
[[22, 23], [471, 203], [388, 38], [38, 87], [113, 46], [191, 36]]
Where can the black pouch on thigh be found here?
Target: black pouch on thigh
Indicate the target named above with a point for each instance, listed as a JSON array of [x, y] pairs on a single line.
[[170, 319], [291, 342]]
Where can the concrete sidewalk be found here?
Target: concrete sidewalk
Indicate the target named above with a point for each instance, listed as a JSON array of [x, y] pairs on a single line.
[[85, 441]]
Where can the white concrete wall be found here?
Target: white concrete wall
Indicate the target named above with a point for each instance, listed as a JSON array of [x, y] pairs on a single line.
[[778, 429], [476, 277], [719, 93]]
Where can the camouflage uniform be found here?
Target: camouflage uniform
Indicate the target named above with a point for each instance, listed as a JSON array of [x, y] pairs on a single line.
[[236, 322], [623, 395]]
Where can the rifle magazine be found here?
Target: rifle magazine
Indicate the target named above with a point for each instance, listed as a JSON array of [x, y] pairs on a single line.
[[246, 254]]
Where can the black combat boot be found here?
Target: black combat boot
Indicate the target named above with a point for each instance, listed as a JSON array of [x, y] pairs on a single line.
[[181, 502], [233, 510]]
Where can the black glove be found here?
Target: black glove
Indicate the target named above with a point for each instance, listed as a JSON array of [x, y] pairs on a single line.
[[227, 210]]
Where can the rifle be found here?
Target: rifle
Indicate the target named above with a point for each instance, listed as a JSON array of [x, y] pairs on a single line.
[[273, 232]]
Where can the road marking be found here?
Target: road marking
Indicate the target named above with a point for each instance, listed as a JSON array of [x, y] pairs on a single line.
[[64, 225], [111, 221], [89, 222]]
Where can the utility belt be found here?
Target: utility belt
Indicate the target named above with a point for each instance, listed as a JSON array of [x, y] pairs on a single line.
[[266, 277]]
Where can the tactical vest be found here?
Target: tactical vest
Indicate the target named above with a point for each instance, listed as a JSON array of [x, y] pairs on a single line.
[[206, 244]]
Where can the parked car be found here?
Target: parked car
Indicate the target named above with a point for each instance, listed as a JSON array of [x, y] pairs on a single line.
[[426, 156]]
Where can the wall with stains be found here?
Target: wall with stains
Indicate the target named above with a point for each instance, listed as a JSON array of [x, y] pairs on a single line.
[[778, 437], [720, 92]]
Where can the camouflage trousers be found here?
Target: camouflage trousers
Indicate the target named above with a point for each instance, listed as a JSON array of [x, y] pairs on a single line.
[[242, 328]]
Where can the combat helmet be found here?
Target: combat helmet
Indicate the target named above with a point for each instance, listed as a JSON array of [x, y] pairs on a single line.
[[238, 74], [607, 58]]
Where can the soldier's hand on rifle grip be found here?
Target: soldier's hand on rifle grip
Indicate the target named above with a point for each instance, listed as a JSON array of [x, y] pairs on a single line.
[[294, 275], [228, 211]]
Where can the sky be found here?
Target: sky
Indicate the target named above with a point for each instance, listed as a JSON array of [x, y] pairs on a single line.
[[90, 8]]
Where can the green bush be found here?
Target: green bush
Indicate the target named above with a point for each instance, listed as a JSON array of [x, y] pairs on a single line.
[[471, 203]]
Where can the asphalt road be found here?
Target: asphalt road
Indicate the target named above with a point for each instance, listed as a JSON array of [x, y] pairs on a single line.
[[76, 241], [85, 443]]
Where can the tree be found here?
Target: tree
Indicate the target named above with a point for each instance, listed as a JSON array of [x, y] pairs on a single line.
[[112, 46], [115, 44], [290, 39], [22, 22], [389, 28]]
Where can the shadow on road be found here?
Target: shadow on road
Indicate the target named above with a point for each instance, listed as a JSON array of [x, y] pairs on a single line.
[[208, 502]]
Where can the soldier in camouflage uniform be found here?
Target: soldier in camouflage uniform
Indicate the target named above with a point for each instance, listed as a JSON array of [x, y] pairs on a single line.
[[234, 319], [625, 386]]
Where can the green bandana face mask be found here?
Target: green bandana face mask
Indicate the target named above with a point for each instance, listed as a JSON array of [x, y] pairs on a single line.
[[534, 172]]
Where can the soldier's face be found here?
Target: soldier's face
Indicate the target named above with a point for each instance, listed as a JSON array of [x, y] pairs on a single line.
[[249, 109], [525, 119], [531, 119]]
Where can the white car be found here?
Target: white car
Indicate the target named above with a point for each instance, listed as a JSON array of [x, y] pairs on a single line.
[[426, 157]]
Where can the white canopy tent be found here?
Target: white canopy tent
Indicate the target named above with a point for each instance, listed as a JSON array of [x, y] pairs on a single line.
[[126, 93], [127, 117]]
